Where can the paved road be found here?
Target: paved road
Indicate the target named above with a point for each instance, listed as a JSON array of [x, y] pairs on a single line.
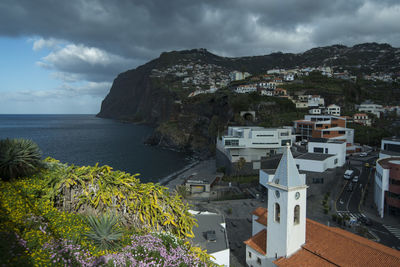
[[349, 201]]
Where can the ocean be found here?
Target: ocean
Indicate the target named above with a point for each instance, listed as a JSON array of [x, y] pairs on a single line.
[[85, 140]]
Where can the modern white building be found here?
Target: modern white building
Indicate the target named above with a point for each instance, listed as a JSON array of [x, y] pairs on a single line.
[[371, 108], [333, 110], [390, 147], [387, 186], [252, 143], [210, 234], [329, 147]]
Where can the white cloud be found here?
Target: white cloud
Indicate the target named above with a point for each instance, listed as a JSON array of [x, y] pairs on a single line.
[[73, 62], [41, 43]]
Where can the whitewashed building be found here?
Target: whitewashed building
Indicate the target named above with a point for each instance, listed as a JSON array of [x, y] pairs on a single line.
[[252, 143], [333, 110], [371, 108]]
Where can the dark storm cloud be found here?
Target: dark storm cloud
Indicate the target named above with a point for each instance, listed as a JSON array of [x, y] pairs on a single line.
[[129, 33]]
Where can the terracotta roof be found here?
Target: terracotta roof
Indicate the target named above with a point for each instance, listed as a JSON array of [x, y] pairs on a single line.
[[259, 211], [303, 258], [331, 246], [258, 242], [263, 218]]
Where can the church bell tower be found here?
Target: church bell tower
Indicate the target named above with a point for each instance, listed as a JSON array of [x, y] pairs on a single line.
[[287, 195]]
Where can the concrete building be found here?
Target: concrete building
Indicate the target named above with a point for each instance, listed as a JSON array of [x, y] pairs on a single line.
[[211, 235], [387, 186], [325, 126], [332, 147], [371, 108], [390, 147], [252, 143], [333, 110], [282, 236]]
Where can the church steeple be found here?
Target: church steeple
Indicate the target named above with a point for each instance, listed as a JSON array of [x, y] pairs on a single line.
[[287, 174], [287, 194]]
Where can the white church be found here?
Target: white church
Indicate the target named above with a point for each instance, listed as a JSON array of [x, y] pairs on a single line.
[[282, 236]]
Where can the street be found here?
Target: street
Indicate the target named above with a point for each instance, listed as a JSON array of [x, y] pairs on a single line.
[[349, 201]]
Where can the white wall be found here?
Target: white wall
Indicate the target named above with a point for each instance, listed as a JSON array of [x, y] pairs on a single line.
[[252, 261], [333, 148], [255, 226], [221, 257], [381, 185]]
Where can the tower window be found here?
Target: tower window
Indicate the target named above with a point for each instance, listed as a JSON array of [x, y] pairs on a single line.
[[277, 213], [297, 214]]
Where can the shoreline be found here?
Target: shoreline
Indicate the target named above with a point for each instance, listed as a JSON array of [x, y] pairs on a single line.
[[167, 179]]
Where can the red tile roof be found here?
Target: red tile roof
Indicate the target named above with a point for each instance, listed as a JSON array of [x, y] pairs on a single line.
[[259, 211], [330, 246], [258, 242], [263, 219]]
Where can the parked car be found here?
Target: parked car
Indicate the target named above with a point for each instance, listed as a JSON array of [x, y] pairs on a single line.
[[363, 154], [348, 174], [366, 164], [355, 179]]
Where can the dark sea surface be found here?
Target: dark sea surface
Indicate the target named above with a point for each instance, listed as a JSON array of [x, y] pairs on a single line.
[[86, 139]]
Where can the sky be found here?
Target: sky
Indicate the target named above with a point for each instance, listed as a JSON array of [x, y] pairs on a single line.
[[61, 57]]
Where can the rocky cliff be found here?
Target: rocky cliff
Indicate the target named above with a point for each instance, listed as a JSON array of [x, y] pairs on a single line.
[[156, 92]]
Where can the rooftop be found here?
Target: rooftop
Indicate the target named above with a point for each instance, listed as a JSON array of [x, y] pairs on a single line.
[[210, 233], [388, 162], [393, 138], [331, 246], [315, 156]]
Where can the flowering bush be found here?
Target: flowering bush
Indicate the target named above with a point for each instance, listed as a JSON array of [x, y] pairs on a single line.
[[34, 232]]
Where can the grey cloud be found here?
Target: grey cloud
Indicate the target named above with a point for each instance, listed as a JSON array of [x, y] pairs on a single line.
[[140, 30]]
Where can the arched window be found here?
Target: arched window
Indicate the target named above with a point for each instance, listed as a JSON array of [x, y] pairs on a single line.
[[297, 214], [277, 213]]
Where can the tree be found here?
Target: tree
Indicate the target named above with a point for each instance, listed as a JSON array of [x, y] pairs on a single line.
[[240, 164]]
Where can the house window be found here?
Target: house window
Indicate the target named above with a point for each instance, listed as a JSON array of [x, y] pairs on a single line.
[[249, 254], [297, 214], [258, 260], [326, 132], [326, 150], [342, 132], [277, 213], [318, 150], [336, 161]]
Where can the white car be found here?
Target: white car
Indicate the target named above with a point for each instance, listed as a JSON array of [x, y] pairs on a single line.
[[355, 179], [363, 154]]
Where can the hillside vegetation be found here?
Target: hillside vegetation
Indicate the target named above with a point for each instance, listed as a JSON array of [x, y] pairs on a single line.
[[93, 216]]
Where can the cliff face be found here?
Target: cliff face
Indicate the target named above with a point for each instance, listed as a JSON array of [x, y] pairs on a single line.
[[133, 97], [136, 95], [156, 92]]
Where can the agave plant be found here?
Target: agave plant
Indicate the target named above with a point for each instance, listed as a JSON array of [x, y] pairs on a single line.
[[104, 231], [18, 157]]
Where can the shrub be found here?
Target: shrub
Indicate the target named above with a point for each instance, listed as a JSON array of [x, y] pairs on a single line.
[[18, 158], [104, 231]]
